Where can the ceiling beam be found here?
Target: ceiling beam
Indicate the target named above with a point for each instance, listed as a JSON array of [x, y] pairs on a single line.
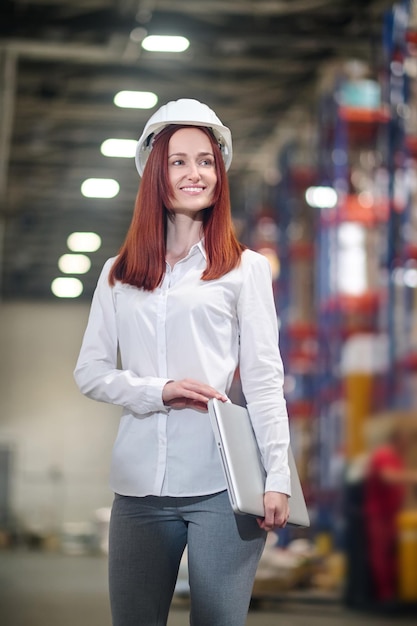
[[243, 7]]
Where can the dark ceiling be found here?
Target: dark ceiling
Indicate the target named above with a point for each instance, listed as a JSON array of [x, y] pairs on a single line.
[[255, 62]]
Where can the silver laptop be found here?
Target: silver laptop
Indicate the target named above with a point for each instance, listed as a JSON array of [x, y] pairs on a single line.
[[242, 465]]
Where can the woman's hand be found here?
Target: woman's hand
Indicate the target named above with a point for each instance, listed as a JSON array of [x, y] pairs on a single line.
[[179, 394], [276, 511]]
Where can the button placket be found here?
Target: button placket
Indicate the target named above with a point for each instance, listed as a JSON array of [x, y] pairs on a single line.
[[161, 324], [162, 369]]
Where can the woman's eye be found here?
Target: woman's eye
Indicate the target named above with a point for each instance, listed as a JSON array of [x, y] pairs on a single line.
[[202, 163]]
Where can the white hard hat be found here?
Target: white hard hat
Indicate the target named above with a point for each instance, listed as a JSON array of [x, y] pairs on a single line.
[[187, 112]]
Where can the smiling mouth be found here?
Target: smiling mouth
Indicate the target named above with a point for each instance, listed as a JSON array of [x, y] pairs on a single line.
[[193, 189]]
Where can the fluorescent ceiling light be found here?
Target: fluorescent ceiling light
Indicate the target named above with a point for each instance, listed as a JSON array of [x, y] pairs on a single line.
[[67, 287], [124, 148], [135, 99], [74, 264], [321, 197], [165, 43], [84, 242], [100, 188]]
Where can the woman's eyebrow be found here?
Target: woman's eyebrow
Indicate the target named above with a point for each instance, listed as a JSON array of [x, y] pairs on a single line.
[[200, 154]]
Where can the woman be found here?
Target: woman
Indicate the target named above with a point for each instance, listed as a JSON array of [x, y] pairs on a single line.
[[183, 304]]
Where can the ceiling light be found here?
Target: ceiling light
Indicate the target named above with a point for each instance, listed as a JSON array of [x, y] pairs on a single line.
[[67, 287], [135, 99], [74, 264], [84, 242], [165, 43], [124, 148], [321, 197], [100, 188]]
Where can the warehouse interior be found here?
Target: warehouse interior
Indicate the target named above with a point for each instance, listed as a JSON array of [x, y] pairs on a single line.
[[321, 99]]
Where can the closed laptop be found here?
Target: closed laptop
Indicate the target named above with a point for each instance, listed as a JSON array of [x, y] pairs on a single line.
[[242, 464]]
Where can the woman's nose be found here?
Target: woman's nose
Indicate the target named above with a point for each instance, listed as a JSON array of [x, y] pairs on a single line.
[[193, 172]]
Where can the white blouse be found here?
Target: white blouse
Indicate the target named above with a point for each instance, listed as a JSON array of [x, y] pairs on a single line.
[[186, 328]]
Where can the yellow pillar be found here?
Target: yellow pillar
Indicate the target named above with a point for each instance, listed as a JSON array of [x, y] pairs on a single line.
[[358, 393], [407, 556]]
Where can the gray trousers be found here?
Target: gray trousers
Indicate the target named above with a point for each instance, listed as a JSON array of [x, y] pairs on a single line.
[[147, 539]]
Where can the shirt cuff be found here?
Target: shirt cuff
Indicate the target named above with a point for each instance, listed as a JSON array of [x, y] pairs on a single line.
[[278, 482], [154, 394]]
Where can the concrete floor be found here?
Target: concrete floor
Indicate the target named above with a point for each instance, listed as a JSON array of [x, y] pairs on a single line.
[[52, 589]]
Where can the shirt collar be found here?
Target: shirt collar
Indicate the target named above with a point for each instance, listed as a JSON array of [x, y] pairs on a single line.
[[199, 246]]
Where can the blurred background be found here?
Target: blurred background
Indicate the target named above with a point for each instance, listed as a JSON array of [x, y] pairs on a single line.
[[321, 98]]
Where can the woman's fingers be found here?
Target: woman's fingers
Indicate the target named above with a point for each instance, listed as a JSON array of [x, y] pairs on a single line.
[[276, 511], [201, 390], [182, 403], [186, 392]]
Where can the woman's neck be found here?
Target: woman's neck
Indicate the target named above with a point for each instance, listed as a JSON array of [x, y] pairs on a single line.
[[183, 232]]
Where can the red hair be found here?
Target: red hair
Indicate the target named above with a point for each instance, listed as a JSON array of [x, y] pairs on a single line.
[[141, 259]]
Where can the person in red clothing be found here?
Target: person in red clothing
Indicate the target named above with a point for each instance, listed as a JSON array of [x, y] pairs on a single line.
[[385, 490]]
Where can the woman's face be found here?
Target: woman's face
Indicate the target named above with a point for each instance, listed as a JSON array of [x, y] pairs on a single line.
[[191, 170]]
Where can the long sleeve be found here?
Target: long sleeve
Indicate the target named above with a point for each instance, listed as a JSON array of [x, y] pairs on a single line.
[[261, 371], [96, 372]]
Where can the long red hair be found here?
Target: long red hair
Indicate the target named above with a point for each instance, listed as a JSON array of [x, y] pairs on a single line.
[[141, 259]]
